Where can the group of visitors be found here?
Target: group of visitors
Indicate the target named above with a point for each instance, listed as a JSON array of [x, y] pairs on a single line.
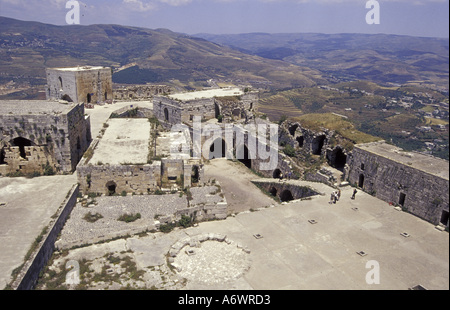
[[336, 195], [288, 176]]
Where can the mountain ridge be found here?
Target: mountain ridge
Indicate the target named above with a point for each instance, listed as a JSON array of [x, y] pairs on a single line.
[[379, 58], [160, 55]]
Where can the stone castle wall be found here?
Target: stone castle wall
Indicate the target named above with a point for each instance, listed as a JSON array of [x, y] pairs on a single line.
[[305, 140], [171, 111], [84, 84], [140, 92], [79, 134], [237, 108], [129, 178], [420, 193], [96, 83], [57, 139], [167, 111], [29, 274], [61, 85]]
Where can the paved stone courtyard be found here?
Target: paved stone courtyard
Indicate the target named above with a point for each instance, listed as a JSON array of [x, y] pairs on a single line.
[[291, 253], [97, 219]]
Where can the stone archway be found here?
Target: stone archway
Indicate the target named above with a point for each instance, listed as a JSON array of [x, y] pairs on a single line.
[[216, 110], [195, 175], [111, 187], [166, 114], [218, 149], [22, 143], [301, 141], [293, 129], [242, 154], [337, 158], [66, 98], [273, 191], [286, 196], [361, 181], [318, 144], [2, 156], [276, 173]]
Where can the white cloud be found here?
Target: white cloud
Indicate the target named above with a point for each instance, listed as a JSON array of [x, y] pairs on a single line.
[[139, 5], [176, 2], [143, 6]]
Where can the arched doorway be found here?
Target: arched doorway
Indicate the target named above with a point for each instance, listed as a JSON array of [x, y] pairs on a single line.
[[195, 175], [293, 129], [111, 186], [243, 156], [318, 144], [276, 173], [301, 141], [341, 160], [402, 199], [337, 159], [273, 191], [22, 143], [67, 98], [286, 196], [216, 110], [166, 114], [361, 181], [2, 156], [88, 98], [217, 149]]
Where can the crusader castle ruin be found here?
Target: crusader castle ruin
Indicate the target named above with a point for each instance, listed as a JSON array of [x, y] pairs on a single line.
[[154, 149], [141, 156]]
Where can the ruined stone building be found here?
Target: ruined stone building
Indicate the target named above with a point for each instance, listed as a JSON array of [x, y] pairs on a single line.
[[86, 84], [36, 135], [133, 157], [139, 92], [229, 104], [416, 182]]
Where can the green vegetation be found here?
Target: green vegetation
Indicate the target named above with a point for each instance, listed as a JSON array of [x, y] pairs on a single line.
[[289, 150], [48, 170], [360, 118], [340, 125], [128, 218], [92, 218], [185, 222]]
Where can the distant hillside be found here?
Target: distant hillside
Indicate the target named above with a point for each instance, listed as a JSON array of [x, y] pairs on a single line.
[[370, 110], [157, 56], [378, 58]]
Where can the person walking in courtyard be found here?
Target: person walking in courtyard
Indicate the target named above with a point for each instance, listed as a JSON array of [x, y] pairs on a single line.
[[332, 197], [354, 194], [338, 195]]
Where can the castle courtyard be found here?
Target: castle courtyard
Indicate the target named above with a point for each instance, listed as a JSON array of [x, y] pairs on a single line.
[[285, 248]]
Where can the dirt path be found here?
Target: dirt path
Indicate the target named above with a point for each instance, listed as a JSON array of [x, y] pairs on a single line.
[[235, 180]]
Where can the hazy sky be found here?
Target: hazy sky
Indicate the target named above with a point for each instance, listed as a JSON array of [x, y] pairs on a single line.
[[410, 17]]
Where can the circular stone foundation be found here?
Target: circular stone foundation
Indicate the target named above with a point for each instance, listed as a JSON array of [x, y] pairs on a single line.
[[211, 261]]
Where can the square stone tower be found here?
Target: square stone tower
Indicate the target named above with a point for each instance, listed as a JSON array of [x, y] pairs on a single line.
[[85, 84]]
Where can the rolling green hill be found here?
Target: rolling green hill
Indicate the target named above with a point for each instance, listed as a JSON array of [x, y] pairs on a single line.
[[155, 56], [370, 114], [378, 58]]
